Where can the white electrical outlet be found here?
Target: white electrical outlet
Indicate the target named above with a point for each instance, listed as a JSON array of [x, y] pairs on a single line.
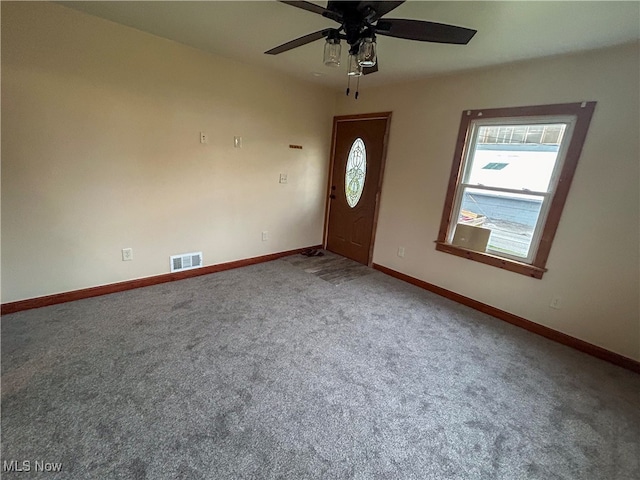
[[265, 236], [127, 254], [283, 178], [401, 252], [203, 137], [556, 302]]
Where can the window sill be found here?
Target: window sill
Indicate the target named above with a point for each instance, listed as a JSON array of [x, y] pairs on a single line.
[[494, 260]]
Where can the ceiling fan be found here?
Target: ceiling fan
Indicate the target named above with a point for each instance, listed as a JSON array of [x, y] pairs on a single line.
[[359, 24]]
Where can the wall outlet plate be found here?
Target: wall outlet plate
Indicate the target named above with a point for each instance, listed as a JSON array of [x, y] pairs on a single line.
[[127, 254]]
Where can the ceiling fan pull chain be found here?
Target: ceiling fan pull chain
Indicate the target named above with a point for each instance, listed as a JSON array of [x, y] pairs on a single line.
[[348, 85], [358, 88]]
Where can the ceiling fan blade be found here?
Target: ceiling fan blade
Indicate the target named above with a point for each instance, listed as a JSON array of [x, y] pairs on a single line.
[[312, 7], [424, 31], [298, 42], [381, 8], [368, 70]]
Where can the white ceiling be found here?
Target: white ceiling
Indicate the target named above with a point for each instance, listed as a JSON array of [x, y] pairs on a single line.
[[507, 32]]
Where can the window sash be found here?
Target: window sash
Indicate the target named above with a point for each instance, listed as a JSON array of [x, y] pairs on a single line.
[[463, 185], [537, 231]]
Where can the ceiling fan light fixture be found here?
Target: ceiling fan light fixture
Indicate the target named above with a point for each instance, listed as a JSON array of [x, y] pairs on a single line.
[[360, 22], [367, 52], [332, 50], [355, 70]]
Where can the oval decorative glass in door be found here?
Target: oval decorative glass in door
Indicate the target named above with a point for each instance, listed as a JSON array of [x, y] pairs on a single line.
[[355, 172]]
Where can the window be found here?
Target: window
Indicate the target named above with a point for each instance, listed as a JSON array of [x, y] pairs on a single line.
[[509, 181], [355, 173]]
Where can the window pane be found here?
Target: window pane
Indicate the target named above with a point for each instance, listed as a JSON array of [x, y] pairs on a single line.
[[527, 153], [511, 219], [534, 134], [356, 172], [552, 134], [519, 134], [504, 134]]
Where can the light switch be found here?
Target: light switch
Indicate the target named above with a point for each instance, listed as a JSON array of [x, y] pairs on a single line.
[[283, 178], [237, 142]]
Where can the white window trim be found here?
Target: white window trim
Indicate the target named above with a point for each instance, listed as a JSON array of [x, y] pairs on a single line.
[[547, 197]]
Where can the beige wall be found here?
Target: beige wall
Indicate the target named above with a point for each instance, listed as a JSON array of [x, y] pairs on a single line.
[[594, 262], [101, 151]]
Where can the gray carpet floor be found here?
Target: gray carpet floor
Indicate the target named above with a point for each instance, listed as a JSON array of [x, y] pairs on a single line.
[[274, 372]]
